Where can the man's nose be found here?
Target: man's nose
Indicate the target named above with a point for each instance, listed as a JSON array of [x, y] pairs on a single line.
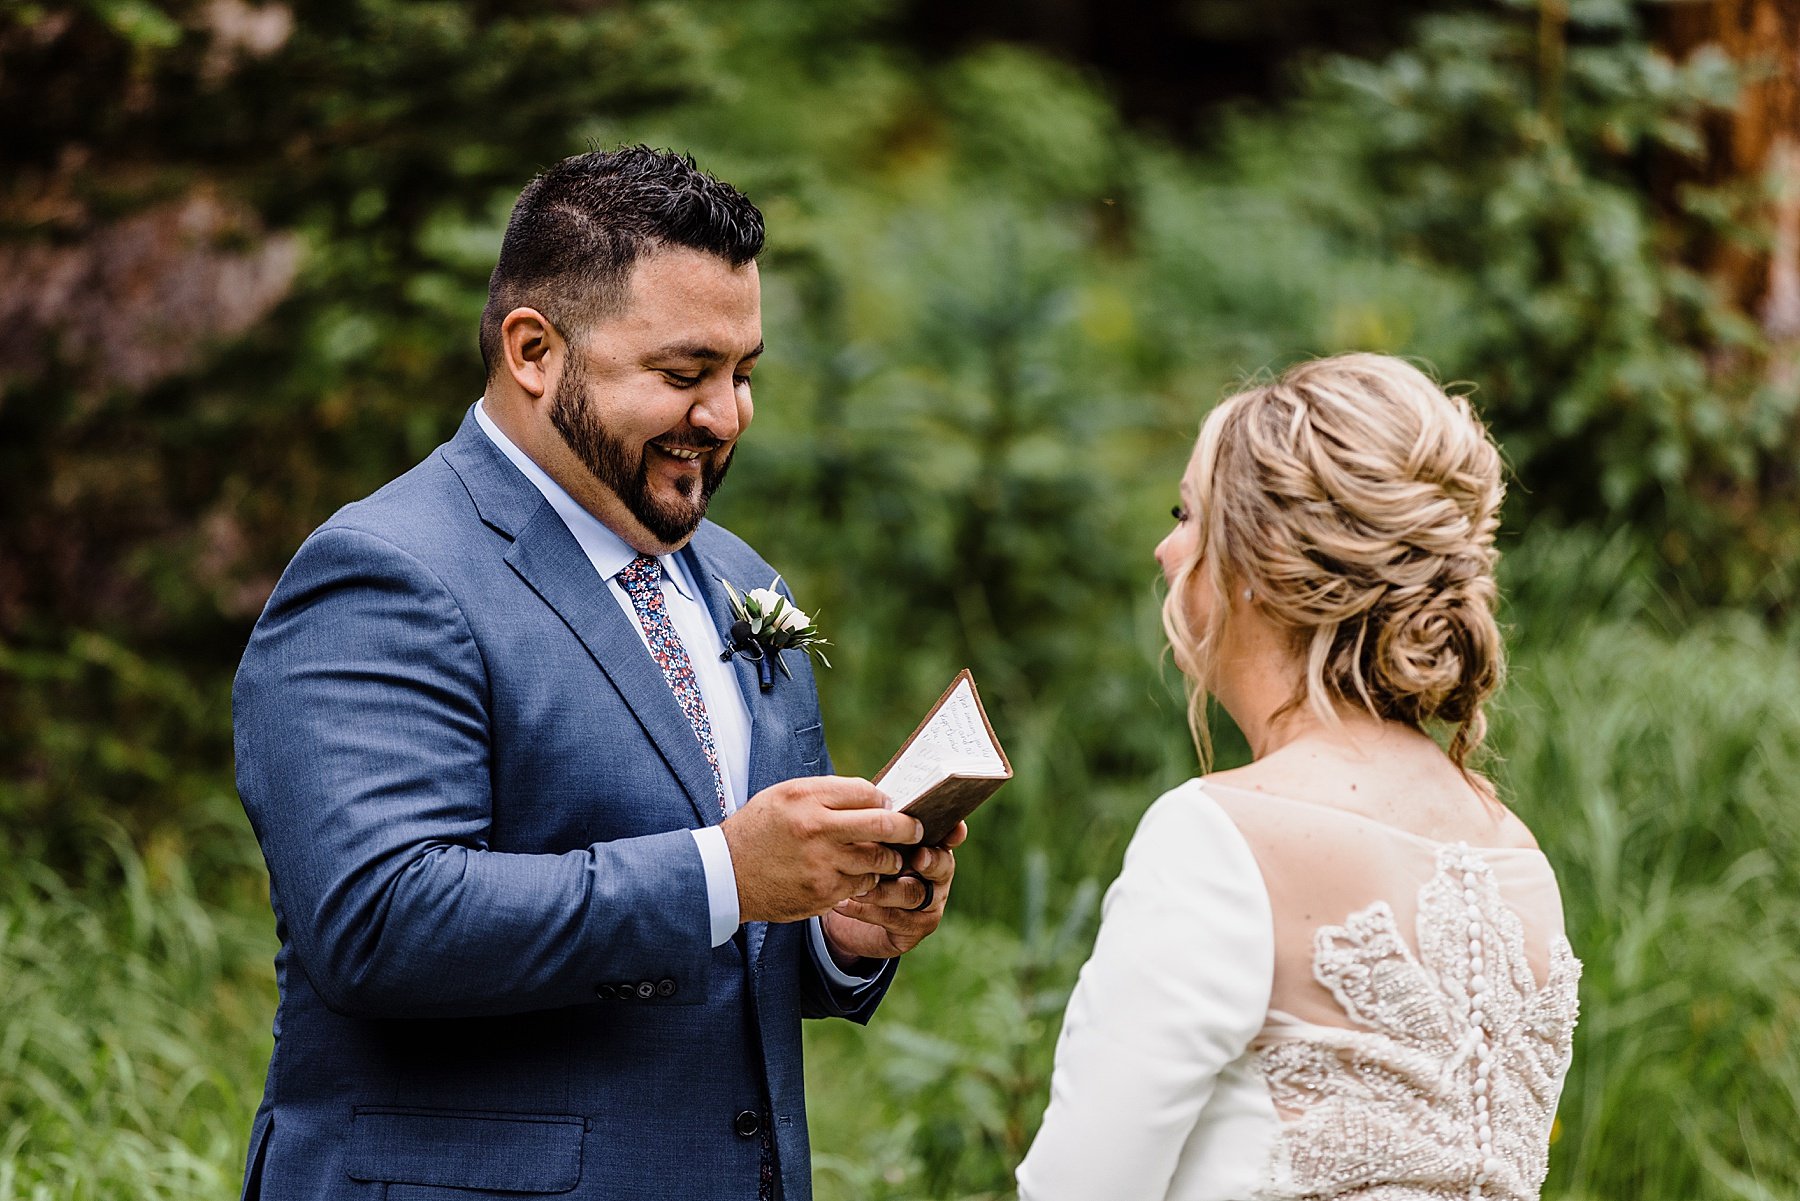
[[716, 409]]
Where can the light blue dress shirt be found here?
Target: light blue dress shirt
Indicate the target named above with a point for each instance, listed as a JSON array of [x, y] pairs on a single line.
[[719, 691]]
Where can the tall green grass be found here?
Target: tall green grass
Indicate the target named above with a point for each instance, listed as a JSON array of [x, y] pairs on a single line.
[[1661, 771], [134, 1015]]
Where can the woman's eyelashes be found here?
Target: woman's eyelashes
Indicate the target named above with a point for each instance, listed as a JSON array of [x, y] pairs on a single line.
[[1179, 513]]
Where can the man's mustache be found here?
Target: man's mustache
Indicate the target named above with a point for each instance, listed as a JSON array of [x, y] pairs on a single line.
[[701, 444]]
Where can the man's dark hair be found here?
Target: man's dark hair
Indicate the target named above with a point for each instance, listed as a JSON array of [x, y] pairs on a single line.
[[580, 227]]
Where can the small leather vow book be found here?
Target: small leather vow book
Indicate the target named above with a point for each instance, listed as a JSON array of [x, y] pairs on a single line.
[[949, 766]]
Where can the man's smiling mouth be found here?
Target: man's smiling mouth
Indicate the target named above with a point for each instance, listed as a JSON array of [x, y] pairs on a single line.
[[686, 454]]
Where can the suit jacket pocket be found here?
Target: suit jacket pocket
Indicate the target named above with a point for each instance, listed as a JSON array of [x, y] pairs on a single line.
[[809, 743], [463, 1149]]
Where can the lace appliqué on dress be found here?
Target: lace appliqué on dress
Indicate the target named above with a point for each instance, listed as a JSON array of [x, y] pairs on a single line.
[[1448, 1085]]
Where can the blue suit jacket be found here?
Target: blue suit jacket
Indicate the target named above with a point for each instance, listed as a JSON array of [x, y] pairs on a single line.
[[474, 790]]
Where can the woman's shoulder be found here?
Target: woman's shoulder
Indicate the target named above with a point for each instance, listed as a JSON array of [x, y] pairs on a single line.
[[1185, 810], [1189, 868], [1187, 836]]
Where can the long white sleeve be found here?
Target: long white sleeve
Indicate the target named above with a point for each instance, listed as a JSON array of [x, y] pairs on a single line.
[[1176, 988]]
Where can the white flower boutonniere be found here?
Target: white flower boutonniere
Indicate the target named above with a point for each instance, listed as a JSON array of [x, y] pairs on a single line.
[[765, 623]]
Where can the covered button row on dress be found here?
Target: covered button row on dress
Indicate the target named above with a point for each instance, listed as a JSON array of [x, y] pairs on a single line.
[[1478, 1012]]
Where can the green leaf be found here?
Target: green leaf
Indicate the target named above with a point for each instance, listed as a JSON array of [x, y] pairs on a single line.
[[736, 601], [139, 22]]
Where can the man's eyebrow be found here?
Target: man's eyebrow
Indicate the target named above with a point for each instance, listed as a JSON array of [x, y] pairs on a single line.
[[705, 354]]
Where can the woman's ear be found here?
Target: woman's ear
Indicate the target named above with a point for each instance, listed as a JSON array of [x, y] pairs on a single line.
[[530, 349]]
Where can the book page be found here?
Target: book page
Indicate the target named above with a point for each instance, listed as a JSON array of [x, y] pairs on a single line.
[[954, 742]]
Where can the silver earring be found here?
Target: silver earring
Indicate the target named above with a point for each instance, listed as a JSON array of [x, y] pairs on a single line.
[[1248, 594]]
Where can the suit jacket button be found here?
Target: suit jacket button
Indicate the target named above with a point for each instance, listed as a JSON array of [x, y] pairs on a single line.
[[646, 990], [747, 1124], [665, 989], [606, 992]]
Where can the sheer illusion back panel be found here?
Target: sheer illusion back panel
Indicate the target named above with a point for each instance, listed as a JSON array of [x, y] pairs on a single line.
[[1322, 864], [1421, 1011]]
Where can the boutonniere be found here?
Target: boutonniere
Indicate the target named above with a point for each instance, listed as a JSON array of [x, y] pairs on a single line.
[[765, 623]]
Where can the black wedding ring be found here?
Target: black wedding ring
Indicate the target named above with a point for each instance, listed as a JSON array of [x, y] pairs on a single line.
[[930, 891]]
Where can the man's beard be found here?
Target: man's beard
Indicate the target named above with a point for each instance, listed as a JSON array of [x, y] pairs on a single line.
[[625, 469]]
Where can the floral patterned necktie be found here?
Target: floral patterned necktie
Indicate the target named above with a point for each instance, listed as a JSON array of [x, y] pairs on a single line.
[[642, 578]]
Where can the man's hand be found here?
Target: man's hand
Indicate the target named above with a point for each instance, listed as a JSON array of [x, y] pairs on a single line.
[[801, 846], [880, 923]]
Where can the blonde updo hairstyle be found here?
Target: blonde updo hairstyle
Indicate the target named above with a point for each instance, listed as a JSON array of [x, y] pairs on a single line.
[[1358, 503]]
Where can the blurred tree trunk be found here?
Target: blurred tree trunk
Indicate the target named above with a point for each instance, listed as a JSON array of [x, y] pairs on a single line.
[[1754, 149]]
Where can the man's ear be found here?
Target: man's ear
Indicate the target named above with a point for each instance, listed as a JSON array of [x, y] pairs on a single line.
[[530, 350]]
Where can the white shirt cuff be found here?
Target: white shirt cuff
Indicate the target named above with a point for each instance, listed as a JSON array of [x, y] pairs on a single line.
[[834, 973], [721, 882]]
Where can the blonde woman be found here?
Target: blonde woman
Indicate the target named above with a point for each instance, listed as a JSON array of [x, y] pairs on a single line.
[[1340, 970]]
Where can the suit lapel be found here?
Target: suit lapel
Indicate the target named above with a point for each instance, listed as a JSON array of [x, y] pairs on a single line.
[[547, 557]]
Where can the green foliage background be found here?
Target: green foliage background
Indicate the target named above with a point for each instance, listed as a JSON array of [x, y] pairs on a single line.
[[995, 315]]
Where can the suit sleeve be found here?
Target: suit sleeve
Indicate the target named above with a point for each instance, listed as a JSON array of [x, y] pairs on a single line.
[[824, 992], [1177, 986], [361, 728]]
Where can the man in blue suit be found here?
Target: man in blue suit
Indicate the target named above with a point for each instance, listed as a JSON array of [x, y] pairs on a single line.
[[554, 883]]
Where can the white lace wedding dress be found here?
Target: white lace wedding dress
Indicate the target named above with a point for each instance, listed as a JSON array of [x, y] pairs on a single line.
[[1287, 1000]]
